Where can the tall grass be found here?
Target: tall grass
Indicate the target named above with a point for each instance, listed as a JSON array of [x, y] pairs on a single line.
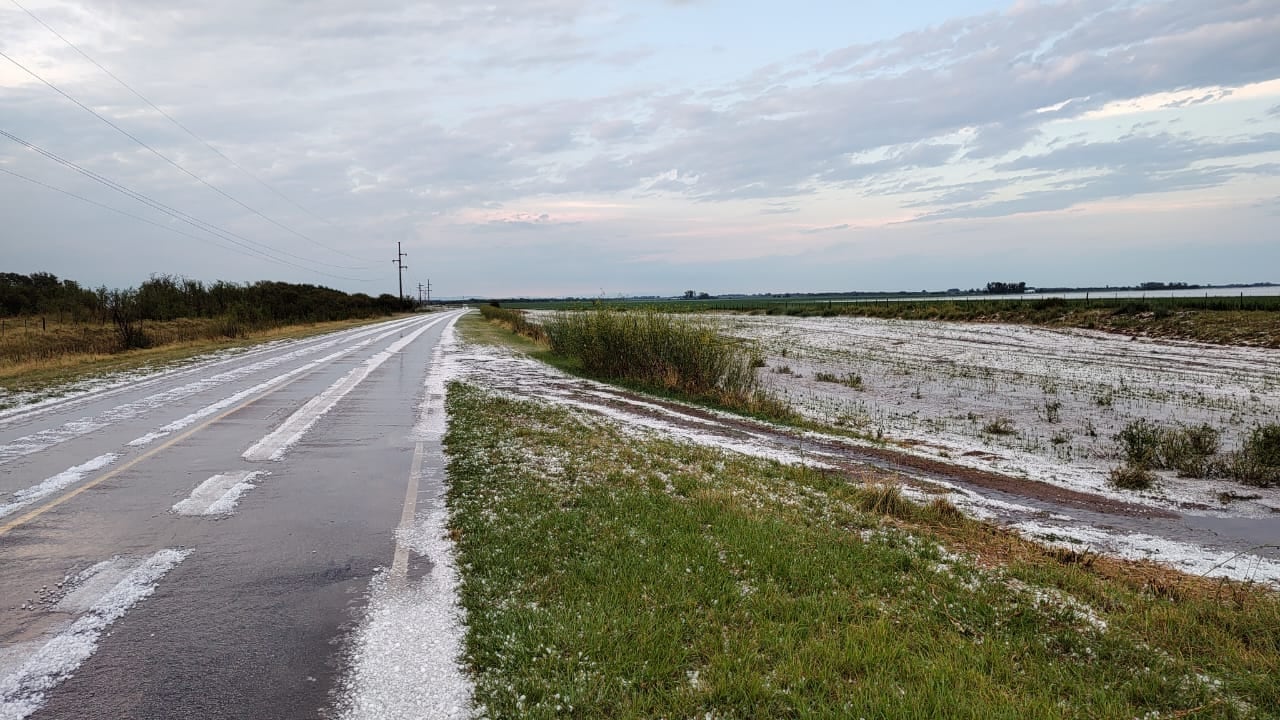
[[1195, 451], [681, 353], [515, 320]]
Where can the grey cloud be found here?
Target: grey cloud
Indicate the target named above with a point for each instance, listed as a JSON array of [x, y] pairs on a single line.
[[1115, 185], [1144, 152], [829, 228]]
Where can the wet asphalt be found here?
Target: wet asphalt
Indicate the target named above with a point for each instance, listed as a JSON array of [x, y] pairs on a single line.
[[252, 624]]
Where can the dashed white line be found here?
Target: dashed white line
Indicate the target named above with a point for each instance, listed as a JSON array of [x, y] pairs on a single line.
[[51, 485], [219, 494], [50, 437], [277, 443], [22, 692]]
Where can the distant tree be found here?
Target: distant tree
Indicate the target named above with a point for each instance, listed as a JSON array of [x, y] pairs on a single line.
[[690, 294], [1006, 288]]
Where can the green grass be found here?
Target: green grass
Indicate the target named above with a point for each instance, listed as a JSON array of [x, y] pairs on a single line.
[[606, 575], [1194, 452]]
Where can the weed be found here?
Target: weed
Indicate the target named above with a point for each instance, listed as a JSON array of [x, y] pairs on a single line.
[[669, 352], [1140, 443], [783, 370], [1000, 426], [1053, 411], [852, 380], [1257, 463], [514, 320], [1192, 451], [1133, 477]]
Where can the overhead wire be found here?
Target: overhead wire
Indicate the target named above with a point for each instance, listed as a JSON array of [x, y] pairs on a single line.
[[228, 235], [125, 213], [178, 123], [166, 158]]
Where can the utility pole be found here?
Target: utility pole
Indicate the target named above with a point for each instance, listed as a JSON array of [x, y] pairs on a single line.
[[428, 291], [419, 293], [399, 261]]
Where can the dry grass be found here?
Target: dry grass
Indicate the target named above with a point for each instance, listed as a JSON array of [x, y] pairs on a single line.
[[32, 357]]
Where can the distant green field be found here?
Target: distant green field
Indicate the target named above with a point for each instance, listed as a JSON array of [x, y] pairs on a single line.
[[935, 305]]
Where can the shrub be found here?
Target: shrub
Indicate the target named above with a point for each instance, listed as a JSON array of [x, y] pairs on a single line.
[[852, 380], [999, 426], [1258, 461], [1132, 477], [680, 353], [1189, 450], [1140, 442]]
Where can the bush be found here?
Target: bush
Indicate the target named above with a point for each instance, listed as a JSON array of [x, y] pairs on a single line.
[[1258, 461], [999, 426], [681, 353], [1192, 451], [852, 380], [1132, 477], [1140, 443]]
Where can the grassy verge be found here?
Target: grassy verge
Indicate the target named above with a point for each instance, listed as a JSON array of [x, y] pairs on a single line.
[[68, 365], [607, 575]]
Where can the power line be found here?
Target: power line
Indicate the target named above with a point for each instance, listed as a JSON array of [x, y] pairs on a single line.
[[126, 213], [173, 212], [166, 158], [179, 124]]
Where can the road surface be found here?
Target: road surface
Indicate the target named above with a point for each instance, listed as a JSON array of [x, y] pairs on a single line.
[[199, 543]]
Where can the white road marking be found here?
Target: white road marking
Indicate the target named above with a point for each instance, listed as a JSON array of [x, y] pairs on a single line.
[[22, 691], [230, 400], [114, 384], [219, 494], [400, 561], [277, 443], [49, 486], [45, 439], [76, 474]]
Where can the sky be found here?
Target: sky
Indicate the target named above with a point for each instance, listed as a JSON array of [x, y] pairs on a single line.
[[619, 147]]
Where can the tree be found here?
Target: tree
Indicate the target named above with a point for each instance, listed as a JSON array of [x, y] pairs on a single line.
[[690, 294]]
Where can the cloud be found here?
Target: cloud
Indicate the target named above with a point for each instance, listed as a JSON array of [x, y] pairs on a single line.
[[394, 120]]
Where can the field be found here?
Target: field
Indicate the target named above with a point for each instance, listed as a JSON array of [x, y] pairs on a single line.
[[1245, 320], [625, 555]]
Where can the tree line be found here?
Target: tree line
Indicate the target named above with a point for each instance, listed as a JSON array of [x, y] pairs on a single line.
[[168, 297]]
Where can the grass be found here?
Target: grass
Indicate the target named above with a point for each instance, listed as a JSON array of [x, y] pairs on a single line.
[[1194, 451], [610, 575], [681, 355], [1000, 426], [517, 321], [36, 359], [850, 380]]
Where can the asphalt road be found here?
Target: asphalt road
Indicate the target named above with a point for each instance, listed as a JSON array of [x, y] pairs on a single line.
[[114, 604]]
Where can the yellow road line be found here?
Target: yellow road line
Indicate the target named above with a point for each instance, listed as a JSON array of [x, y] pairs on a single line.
[[33, 514]]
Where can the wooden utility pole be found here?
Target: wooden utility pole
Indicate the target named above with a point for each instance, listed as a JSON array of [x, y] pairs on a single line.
[[399, 262], [428, 291], [419, 293]]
